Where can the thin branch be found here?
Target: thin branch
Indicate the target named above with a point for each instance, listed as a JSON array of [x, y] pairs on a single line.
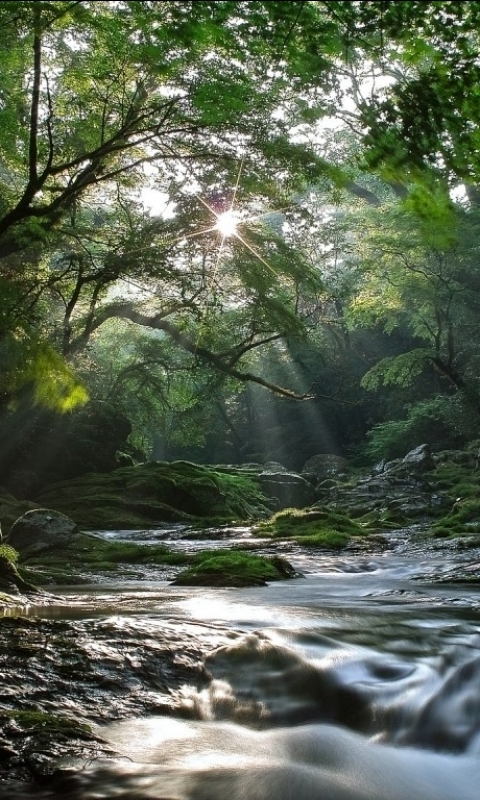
[[293, 25]]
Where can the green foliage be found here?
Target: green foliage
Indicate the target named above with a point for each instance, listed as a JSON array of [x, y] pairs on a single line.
[[399, 370], [55, 383], [441, 421], [36, 365], [8, 554], [214, 103]]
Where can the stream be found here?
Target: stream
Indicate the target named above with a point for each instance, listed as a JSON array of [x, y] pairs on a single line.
[[358, 681]]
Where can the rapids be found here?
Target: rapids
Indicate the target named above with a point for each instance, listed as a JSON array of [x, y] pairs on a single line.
[[359, 681]]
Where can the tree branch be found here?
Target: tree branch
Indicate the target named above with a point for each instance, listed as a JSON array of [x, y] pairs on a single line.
[[157, 322], [37, 74]]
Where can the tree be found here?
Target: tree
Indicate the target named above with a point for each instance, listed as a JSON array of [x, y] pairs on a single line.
[[95, 96], [216, 105], [422, 114]]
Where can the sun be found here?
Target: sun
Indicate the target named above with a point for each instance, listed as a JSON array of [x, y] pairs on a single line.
[[227, 223]]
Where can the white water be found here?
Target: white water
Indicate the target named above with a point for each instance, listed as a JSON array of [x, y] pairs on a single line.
[[356, 682]]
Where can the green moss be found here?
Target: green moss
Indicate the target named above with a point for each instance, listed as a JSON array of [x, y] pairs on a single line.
[[456, 479], [462, 483], [380, 519], [233, 568], [10, 577], [50, 724], [133, 497], [464, 519], [325, 538], [11, 509], [316, 526], [86, 552]]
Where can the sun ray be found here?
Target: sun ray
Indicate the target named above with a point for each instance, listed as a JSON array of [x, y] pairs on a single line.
[[236, 185], [256, 253]]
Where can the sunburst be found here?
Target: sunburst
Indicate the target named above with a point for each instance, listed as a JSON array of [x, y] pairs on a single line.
[[228, 224]]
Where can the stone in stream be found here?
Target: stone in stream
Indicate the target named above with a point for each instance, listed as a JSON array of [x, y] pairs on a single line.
[[41, 529], [286, 489]]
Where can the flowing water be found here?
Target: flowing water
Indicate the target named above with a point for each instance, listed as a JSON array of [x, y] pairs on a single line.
[[358, 681]]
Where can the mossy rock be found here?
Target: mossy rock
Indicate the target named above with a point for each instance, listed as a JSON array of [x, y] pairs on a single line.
[[135, 497], [90, 553], [226, 568], [314, 527], [40, 722], [456, 479]]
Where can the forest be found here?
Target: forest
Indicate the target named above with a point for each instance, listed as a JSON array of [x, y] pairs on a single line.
[[240, 400], [236, 232]]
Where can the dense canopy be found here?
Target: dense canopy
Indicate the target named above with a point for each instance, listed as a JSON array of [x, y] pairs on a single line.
[[338, 313]]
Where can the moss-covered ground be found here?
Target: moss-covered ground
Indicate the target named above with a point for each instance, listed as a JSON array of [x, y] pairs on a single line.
[[313, 527], [11, 509], [135, 497], [462, 483], [10, 578], [91, 554]]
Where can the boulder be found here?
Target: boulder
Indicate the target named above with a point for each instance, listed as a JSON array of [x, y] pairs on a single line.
[[274, 466], [420, 459], [41, 529], [286, 489], [325, 465], [416, 462]]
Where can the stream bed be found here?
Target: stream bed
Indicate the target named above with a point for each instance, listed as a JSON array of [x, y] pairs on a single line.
[[358, 681]]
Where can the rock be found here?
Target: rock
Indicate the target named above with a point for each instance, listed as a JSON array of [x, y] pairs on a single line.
[[286, 489], [389, 466], [124, 460], [420, 459], [395, 492], [41, 529], [416, 461], [324, 465], [274, 466]]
